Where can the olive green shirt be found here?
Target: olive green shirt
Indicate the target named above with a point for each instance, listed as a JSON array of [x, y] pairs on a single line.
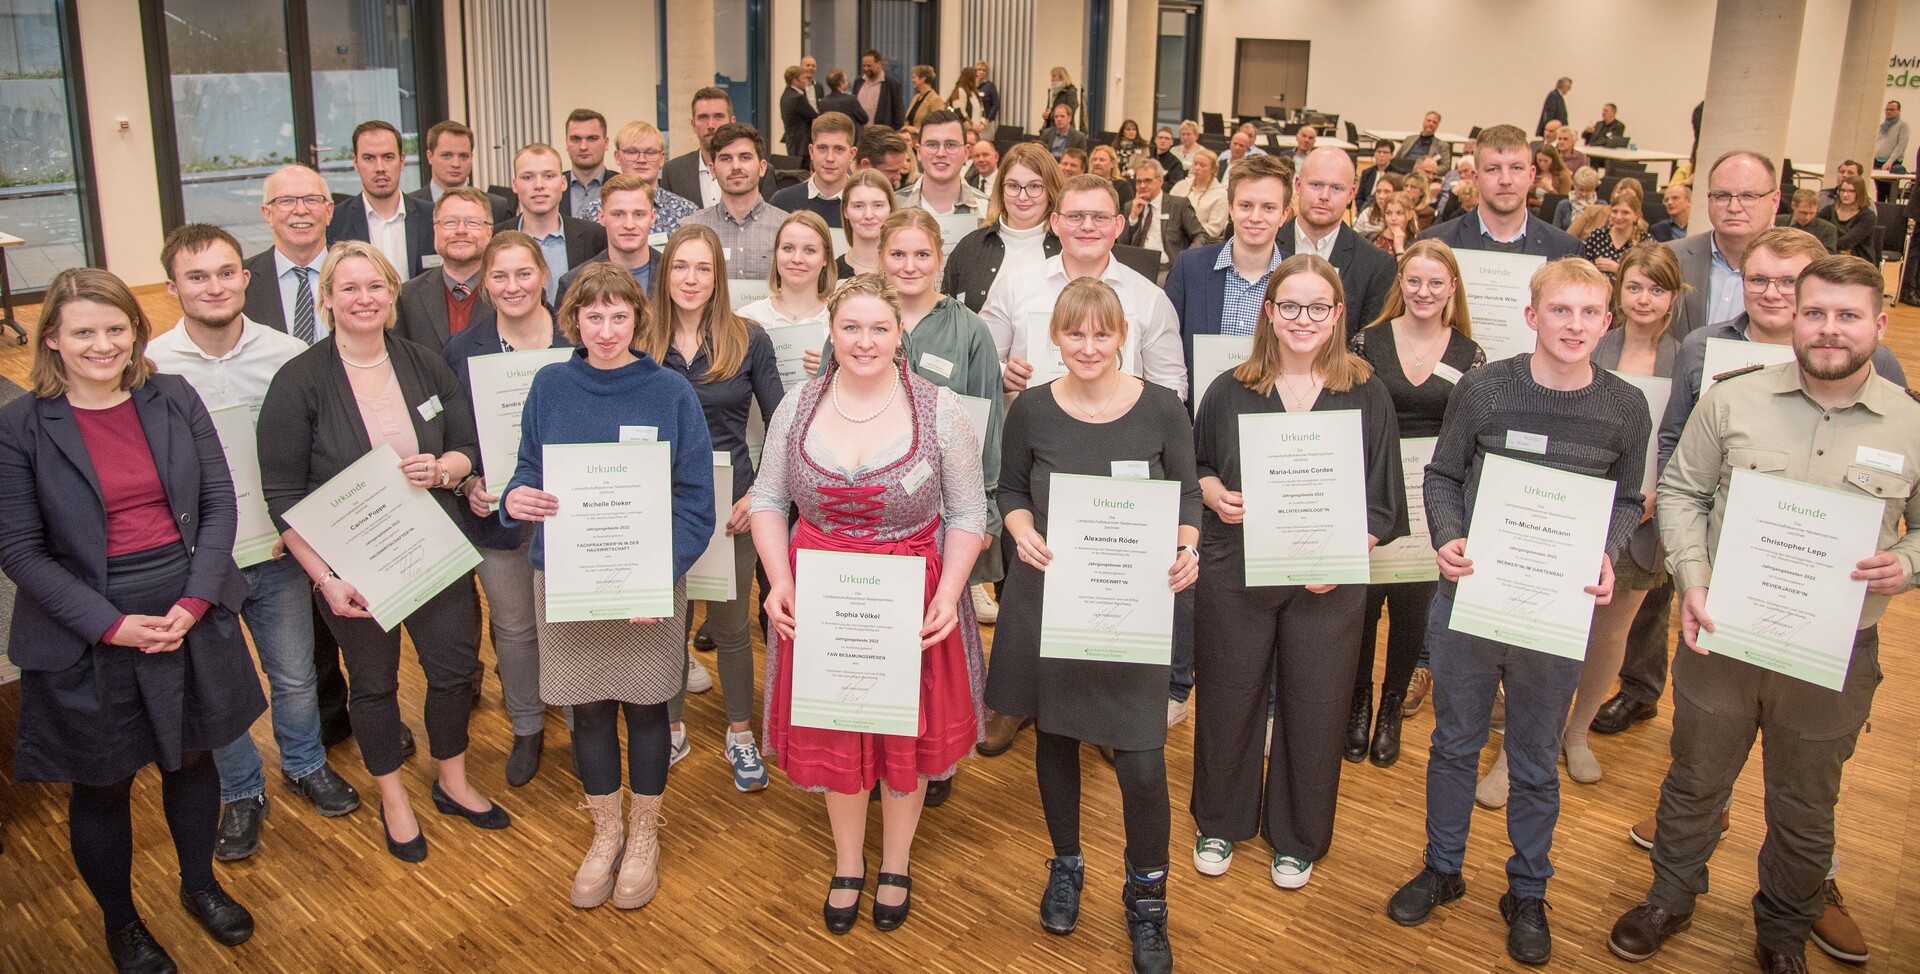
[[1766, 421]]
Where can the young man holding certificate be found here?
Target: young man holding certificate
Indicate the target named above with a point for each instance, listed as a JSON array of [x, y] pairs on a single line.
[[1831, 420], [1575, 427]]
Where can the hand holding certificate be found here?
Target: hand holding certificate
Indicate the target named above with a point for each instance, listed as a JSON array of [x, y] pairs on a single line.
[[1107, 597], [606, 553], [255, 538], [856, 641], [500, 384], [1305, 487]]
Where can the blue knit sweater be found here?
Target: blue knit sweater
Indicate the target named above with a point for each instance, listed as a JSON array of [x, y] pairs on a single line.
[[574, 402]]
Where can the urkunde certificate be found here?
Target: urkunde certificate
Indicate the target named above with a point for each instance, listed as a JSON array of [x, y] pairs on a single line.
[[711, 578], [1106, 597], [856, 641], [1498, 292], [610, 546], [1410, 559], [1214, 354], [1305, 488], [384, 536], [1782, 597], [500, 384], [255, 536], [1536, 539], [1657, 391]]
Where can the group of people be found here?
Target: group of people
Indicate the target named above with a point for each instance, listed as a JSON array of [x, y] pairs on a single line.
[[964, 344]]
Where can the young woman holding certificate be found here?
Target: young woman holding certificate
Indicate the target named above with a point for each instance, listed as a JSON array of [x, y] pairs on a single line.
[[359, 388], [124, 631], [729, 360], [882, 462], [514, 272], [1094, 421], [802, 278], [1419, 347], [865, 203], [608, 392], [1299, 642]]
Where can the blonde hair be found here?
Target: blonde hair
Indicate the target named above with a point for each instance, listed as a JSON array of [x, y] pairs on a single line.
[[1339, 369], [1089, 299], [808, 220], [1565, 272], [634, 131], [868, 285], [512, 238], [723, 334], [1456, 314], [598, 283], [48, 374], [914, 218], [346, 250], [1785, 242], [1034, 158]]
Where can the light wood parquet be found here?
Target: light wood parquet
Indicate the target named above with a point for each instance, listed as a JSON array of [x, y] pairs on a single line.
[[743, 875]]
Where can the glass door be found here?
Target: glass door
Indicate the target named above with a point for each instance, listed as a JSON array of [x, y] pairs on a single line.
[[1176, 88], [46, 176], [361, 59]]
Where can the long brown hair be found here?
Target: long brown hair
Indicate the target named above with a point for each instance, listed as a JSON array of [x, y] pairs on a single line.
[[48, 372], [1455, 315], [808, 220], [1658, 262], [1339, 369], [1035, 159], [723, 334]]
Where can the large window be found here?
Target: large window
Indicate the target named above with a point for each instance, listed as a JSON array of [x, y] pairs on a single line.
[[45, 175], [740, 55]]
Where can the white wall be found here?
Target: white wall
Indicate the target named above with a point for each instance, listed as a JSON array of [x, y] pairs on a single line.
[[112, 55], [1059, 39], [601, 56]]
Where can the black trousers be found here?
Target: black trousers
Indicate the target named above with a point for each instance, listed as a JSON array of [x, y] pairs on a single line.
[[1643, 672], [1144, 811], [1304, 648], [329, 679], [1406, 605], [444, 633]]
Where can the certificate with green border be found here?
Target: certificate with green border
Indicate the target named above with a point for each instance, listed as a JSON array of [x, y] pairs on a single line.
[[856, 641], [499, 385], [1410, 559], [255, 535], [1106, 598], [711, 578], [609, 548], [1305, 488]]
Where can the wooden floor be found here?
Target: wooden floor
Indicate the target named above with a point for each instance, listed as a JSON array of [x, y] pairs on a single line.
[[743, 875]]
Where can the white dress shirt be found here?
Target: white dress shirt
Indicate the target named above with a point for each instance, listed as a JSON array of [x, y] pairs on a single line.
[[1302, 244], [390, 236], [1022, 300], [240, 376], [709, 184], [290, 290]]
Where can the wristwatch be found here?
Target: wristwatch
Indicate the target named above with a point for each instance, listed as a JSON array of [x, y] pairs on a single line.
[[460, 489], [445, 476], [1193, 550]]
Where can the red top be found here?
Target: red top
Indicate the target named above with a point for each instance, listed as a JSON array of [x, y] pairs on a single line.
[[138, 515], [460, 310]]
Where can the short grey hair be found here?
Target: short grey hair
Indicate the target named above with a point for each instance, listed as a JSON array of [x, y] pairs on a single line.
[[1148, 166]]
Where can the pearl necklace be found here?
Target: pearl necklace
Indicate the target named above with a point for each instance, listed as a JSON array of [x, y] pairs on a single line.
[[376, 363], [892, 391]]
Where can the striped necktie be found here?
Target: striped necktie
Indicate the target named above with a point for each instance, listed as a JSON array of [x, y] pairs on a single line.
[[303, 306]]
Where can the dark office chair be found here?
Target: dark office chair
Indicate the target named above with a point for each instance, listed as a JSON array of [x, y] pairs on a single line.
[[1474, 133], [1215, 141], [1140, 259], [1653, 210], [1213, 123], [1548, 204], [1893, 232]]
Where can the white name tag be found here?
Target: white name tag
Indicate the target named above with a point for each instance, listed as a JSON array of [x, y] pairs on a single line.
[[722, 458], [430, 261], [937, 365], [1530, 442], [915, 477], [1867, 456], [1447, 372], [640, 434], [1134, 469], [430, 408]]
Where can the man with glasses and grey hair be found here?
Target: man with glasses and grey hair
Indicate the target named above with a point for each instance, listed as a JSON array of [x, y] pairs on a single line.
[[297, 206], [942, 187]]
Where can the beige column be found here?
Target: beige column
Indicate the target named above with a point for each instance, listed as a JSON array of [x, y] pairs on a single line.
[[1750, 78], [1136, 61], [689, 68], [1858, 104]]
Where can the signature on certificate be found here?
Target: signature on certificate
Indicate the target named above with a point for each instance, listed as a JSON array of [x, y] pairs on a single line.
[[1781, 624], [857, 689], [1109, 618], [1527, 604], [413, 561], [612, 580]]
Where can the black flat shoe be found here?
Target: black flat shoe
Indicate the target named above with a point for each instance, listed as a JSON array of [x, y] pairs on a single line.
[[938, 792], [840, 919], [886, 917], [412, 850], [406, 741], [494, 817], [524, 762], [134, 951], [703, 641], [222, 918]]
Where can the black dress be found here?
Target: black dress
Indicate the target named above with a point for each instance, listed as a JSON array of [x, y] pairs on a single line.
[[1119, 705]]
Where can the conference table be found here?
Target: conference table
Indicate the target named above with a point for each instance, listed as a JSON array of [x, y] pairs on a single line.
[[1672, 159], [1397, 136]]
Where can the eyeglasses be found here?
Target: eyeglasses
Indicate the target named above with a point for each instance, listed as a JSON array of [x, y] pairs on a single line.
[[1025, 189], [287, 203], [1746, 200], [1081, 217], [453, 223], [1291, 311], [950, 145], [638, 153], [1758, 285]]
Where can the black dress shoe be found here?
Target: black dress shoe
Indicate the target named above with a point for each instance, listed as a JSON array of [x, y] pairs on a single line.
[[406, 741], [1640, 932], [1776, 962], [1528, 939], [1620, 713], [222, 918], [886, 917], [1414, 903], [494, 817], [412, 850], [330, 794], [1359, 722], [938, 792], [702, 640], [840, 919], [524, 762], [1384, 752], [239, 835], [134, 951], [1060, 904]]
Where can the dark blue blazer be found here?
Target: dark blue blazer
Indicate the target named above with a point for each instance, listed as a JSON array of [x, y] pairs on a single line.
[[1543, 239], [1198, 293], [891, 110], [1366, 273], [350, 223], [53, 521], [483, 338]]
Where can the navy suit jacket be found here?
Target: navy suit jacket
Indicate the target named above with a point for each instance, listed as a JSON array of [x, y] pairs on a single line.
[[1543, 239], [584, 239], [350, 223], [53, 522], [423, 310], [681, 177], [1366, 273], [892, 108], [1198, 292]]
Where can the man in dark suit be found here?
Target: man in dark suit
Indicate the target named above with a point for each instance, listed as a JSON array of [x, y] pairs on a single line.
[[1217, 289], [564, 241], [449, 299], [1555, 107], [878, 94], [1504, 173], [1158, 222], [1322, 188], [284, 280], [797, 112], [837, 100], [1382, 157], [1805, 216], [1609, 131], [691, 175], [449, 159], [1061, 135], [1714, 293], [810, 83], [381, 215], [626, 213]]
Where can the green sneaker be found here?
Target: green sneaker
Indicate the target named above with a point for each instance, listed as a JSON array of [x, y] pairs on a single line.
[[1212, 857]]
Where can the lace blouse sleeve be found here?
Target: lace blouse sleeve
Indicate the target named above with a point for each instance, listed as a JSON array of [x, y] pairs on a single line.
[[962, 493], [770, 490]]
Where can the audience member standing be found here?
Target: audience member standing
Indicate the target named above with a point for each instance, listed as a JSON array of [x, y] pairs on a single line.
[[838, 100], [587, 152], [1554, 109], [989, 100], [797, 112], [878, 93]]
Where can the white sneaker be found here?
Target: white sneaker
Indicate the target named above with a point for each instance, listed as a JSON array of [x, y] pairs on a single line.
[[1291, 873], [680, 748], [698, 679], [1176, 712], [1212, 857], [985, 609]]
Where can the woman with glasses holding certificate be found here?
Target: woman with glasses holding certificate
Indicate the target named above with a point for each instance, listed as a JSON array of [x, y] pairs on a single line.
[[612, 392], [1255, 632], [1094, 421], [878, 461]]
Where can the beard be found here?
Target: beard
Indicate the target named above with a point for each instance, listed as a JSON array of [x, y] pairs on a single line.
[[219, 323], [1855, 360]]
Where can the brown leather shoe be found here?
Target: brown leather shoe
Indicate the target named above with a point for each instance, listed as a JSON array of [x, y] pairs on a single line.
[[1001, 730], [1417, 690], [1835, 932], [1772, 962], [1639, 932], [1643, 830]]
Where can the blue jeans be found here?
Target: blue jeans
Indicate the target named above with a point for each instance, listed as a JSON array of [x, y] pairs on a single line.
[[279, 616], [1467, 670]]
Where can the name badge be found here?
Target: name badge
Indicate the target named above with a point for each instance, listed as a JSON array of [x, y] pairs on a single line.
[[1867, 456], [961, 297], [640, 434], [937, 365], [429, 409], [1447, 372], [1530, 442], [430, 261], [1132, 469], [722, 458], [915, 477]]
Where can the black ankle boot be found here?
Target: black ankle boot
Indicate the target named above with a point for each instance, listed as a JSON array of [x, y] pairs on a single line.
[[1359, 722], [1145, 896], [1386, 731]]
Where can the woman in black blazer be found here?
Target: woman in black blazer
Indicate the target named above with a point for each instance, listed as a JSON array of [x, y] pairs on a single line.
[[117, 523], [325, 410]]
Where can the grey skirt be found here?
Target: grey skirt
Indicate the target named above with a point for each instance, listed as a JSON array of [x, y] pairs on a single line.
[[611, 659]]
